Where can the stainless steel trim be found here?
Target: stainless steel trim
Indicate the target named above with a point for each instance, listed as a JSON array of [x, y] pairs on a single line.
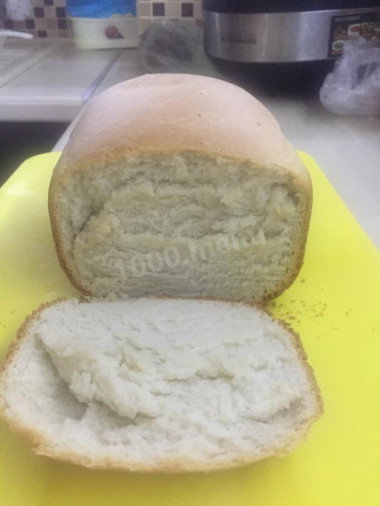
[[278, 37]]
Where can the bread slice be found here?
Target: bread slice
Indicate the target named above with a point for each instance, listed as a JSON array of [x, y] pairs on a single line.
[[182, 186], [158, 384]]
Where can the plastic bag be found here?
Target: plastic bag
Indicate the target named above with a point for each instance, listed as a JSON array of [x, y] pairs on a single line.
[[353, 87], [170, 46]]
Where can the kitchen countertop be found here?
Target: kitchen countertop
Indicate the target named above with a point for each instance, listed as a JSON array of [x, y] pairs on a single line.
[[57, 85], [347, 149]]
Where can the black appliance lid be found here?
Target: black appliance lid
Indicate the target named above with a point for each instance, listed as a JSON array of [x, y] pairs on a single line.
[[270, 6]]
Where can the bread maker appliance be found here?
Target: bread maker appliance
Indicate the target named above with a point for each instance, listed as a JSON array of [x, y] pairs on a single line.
[[271, 31]]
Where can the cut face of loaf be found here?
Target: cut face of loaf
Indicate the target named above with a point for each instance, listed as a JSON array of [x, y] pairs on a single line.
[[158, 385], [179, 186]]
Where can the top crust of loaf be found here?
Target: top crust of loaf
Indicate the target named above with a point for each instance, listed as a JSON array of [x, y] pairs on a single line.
[[164, 113]]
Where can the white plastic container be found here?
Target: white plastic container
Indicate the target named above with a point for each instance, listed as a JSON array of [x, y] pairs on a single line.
[[101, 33]]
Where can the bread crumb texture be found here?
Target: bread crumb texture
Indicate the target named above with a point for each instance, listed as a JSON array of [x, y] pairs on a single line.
[[158, 384], [182, 225]]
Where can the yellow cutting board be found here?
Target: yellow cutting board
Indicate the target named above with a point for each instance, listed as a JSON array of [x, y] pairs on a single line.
[[335, 306]]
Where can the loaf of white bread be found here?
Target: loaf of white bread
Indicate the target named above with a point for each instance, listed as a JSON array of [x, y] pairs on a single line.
[[178, 186], [182, 186], [158, 384]]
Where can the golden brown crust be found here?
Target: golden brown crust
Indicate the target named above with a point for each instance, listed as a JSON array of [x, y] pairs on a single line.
[[23, 331], [174, 113], [299, 255], [301, 353], [58, 240], [165, 113], [43, 445]]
